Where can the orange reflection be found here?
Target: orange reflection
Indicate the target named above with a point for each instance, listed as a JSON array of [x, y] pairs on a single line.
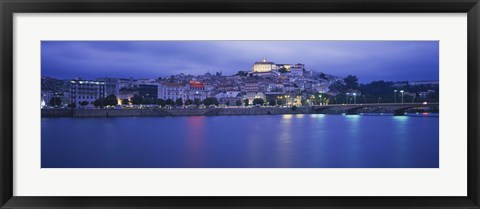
[[195, 133]]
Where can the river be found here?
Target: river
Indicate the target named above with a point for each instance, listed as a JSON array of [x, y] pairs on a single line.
[[263, 141]]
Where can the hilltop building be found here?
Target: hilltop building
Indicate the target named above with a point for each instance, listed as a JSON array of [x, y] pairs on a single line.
[[264, 66]]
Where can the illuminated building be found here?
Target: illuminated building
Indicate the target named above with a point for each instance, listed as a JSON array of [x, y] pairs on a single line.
[[85, 90], [263, 66], [196, 90], [254, 95]]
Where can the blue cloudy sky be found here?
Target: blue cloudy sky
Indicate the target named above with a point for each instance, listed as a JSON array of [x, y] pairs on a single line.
[[368, 60]]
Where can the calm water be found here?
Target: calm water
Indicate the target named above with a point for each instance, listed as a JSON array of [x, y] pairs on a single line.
[[267, 141]]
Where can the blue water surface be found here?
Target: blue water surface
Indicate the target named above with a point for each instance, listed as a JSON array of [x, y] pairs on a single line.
[[264, 141]]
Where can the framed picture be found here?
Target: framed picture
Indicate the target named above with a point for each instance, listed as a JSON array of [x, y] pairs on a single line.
[[238, 104]]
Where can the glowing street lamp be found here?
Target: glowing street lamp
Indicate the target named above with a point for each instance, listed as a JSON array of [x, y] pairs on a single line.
[[401, 91], [355, 98], [346, 98], [394, 96]]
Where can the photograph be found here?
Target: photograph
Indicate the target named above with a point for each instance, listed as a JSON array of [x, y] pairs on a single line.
[[239, 104]]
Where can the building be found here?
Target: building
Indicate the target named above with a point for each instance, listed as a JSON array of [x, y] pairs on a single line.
[[254, 95], [269, 96], [173, 91], [111, 85], [263, 66], [284, 66], [227, 94], [251, 86], [46, 96], [228, 97], [86, 91], [415, 83], [296, 71], [148, 91], [124, 84], [196, 90]]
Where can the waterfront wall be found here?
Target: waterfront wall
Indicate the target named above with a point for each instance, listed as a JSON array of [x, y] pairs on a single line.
[[57, 113], [171, 112]]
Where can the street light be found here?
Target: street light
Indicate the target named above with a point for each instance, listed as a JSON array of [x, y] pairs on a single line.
[[394, 96], [355, 98], [346, 99], [401, 91]]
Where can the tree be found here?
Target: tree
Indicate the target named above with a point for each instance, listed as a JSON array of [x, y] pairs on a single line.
[[83, 103], [72, 105], [188, 102], [351, 82], [136, 99], [283, 70], [294, 108], [238, 103], [111, 100], [304, 102], [258, 101], [338, 86], [210, 101], [125, 102], [55, 101], [323, 76], [280, 102], [148, 101], [170, 102], [161, 102], [227, 103], [272, 102], [98, 102], [197, 102], [242, 73], [246, 102], [179, 102]]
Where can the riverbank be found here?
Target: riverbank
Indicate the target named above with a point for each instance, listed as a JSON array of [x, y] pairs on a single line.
[[173, 112], [161, 112]]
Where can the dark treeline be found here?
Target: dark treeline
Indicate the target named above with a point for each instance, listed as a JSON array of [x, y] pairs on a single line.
[[382, 92]]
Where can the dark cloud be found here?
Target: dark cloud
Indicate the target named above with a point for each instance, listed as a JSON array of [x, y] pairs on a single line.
[[369, 60]]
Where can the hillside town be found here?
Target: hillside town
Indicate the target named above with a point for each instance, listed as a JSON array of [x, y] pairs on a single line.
[[265, 84]]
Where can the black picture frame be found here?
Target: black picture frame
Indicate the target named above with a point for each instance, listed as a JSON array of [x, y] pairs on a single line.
[[9, 7]]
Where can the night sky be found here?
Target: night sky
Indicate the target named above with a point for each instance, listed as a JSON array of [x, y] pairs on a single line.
[[368, 60]]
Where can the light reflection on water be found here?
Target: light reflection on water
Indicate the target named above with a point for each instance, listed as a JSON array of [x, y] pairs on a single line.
[[265, 141]]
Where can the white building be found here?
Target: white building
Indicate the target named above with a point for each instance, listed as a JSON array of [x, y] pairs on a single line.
[[46, 96], [227, 94], [263, 66], [296, 71], [196, 90], [171, 91]]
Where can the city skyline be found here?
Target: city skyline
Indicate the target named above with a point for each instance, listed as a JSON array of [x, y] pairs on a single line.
[[368, 60]]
